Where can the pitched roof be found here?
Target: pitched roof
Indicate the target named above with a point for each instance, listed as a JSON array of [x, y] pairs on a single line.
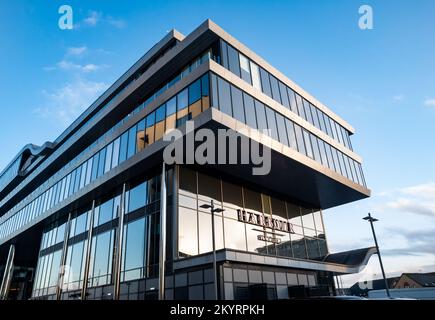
[[423, 279]]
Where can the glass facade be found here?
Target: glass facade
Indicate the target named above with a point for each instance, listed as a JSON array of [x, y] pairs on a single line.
[[88, 248], [188, 104], [229, 100], [305, 239], [262, 80], [140, 247]]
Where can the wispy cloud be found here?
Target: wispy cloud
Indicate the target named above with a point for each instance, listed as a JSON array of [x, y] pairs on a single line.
[[429, 102], [68, 102], [425, 190], [95, 18], [417, 199], [398, 98], [418, 242], [117, 23], [413, 206], [76, 51], [73, 54], [71, 66]]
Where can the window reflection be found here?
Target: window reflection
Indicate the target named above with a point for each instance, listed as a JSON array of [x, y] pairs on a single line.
[[102, 255], [140, 138], [195, 223], [234, 234], [137, 197], [149, 131], [160, 122], [187, 233], [298, 245], [134, 250]]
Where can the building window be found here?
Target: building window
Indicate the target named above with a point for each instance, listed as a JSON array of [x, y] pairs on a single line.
[[205, 92], [224, 97], [315, 117], [160, 122], [140, 136], [75, 260], [264, 75], [101, 164], [209, 187], [237, 103], [299, 139], [284, 95], [137, 197], [103, 213], [134, 250], [187, 181], [131, 150], [271, 121], [252, 200], [232, 194], [261, 115], [194, 91], [300, 106], [150, 126], [187, 233], [115, 156], [308, 115], [275, 89], [251, 120], [245, 70], [224, 53], [102, 255], [291, 134], [235, 237], [315, 147], [292, 100], [282, 133], [233, 61], [255, 73], [205, 232]]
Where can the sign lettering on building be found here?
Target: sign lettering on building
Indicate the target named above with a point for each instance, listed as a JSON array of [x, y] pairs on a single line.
[[264, 221], [271, 239]]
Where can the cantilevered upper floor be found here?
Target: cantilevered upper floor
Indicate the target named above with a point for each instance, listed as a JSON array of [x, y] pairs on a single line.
[[207, 76]]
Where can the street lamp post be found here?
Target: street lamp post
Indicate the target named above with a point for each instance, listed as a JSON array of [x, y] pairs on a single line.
[[213, 210], [370, 219]]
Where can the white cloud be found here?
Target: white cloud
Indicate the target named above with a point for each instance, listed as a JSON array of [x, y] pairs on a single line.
[[429, 102], [398, 97], [93, 18], [417, 199], [71, 66], [117, 23], [413, 206], [66, 103], [425, 190], [76, 51]]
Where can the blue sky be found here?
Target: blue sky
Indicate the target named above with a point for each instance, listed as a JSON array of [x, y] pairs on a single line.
[[381, 81]]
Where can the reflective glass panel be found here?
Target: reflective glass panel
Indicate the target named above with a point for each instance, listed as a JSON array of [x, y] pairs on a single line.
[[255, 73], [233, 60], [264, 75], [271, 122], [187, 233], [224, 97], [244, 67], [237, 102], [134, 250], [137, 197], [251, 120], [275, 89]]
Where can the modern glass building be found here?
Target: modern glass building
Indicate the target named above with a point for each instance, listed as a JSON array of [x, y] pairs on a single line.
[[85, 216]]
